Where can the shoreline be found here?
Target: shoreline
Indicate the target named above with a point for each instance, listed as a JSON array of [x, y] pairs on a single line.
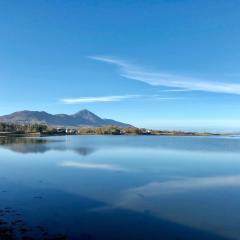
[[40, 130], [182, 134]]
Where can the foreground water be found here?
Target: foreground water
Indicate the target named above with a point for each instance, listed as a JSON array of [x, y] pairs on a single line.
[[120, 187]]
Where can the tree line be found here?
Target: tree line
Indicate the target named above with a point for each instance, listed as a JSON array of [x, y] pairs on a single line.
[[22, 129]]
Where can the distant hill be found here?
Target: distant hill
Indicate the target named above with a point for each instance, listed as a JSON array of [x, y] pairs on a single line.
[[83, 118]]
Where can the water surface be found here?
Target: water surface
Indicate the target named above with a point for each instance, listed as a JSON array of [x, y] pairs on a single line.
[[124, 187]]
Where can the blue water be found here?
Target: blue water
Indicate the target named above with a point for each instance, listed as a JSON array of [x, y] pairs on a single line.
[[124, 187]]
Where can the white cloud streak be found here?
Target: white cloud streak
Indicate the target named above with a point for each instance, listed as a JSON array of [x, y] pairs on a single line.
[[97, 99], [83, 100], [169, 80], [177, 90]]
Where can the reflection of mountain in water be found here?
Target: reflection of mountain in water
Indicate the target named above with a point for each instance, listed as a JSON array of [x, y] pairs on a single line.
[[37, 145], [175, 143], [83, 145], [84, 151]]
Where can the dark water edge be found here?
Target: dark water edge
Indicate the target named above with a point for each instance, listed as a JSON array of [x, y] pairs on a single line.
[[27, 213]]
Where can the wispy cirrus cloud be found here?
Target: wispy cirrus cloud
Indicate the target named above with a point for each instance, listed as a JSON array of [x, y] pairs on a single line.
[[155, 78], [177, 90], [83, 100], [97, 99]]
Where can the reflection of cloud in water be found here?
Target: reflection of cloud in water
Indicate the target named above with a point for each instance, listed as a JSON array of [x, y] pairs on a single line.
[[207, 208], [93, 166], [178, 186], [37, 145]]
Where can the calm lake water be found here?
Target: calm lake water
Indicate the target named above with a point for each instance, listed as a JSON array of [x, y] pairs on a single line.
[[122, 187]]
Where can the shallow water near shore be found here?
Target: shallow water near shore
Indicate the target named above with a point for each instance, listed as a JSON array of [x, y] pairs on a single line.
[[120, 187]]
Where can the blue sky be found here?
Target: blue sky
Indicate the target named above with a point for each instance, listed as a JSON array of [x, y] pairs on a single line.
[[158, 64]]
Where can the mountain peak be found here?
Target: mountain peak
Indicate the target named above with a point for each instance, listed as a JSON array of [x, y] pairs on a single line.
[[88, 117], [83, 118], [83, 111]]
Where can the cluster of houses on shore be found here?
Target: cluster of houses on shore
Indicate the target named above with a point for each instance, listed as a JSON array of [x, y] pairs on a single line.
[[69, 131], [109, 130]]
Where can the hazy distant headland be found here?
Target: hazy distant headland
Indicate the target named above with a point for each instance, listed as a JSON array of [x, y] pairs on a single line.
[[35, 123]]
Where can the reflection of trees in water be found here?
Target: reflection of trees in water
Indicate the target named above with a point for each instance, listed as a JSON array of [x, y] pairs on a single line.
[[21, 140], [37, 145], [24, 145]]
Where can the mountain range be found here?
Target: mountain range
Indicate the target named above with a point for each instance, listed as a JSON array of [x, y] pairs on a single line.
[[83, 118]]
